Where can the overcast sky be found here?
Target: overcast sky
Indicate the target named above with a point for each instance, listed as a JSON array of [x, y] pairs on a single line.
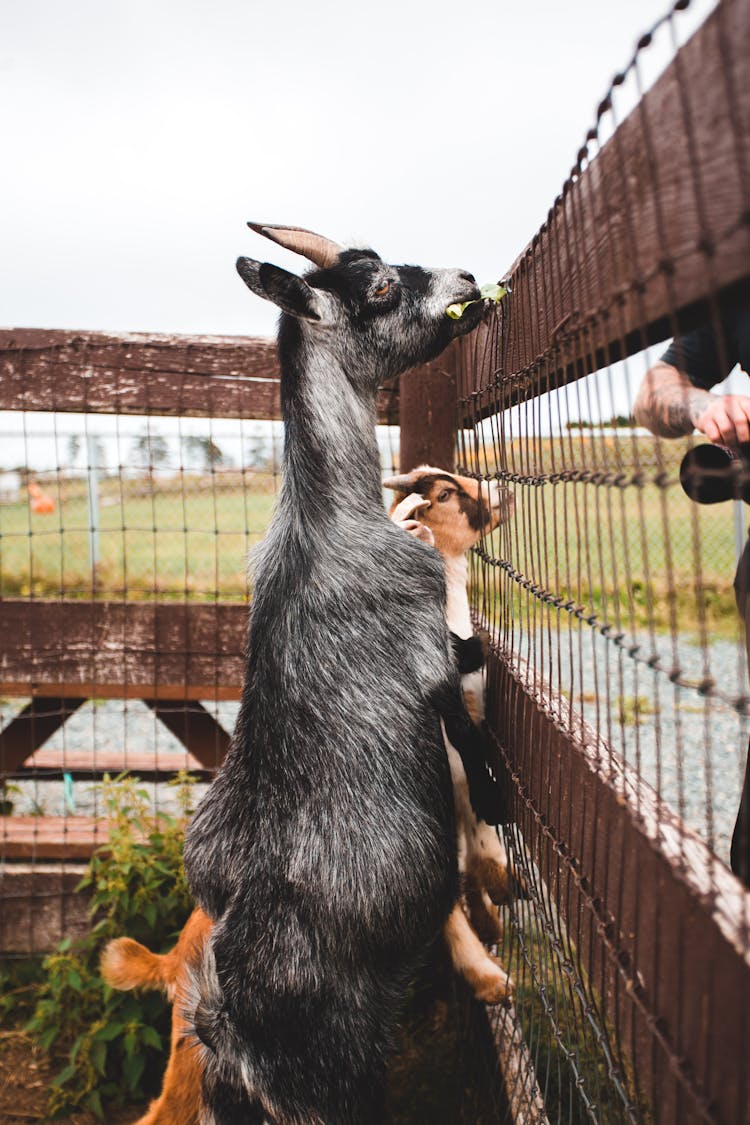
[[138, 137]]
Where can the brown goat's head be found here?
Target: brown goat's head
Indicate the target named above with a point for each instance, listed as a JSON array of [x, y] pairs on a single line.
[[457, 510]]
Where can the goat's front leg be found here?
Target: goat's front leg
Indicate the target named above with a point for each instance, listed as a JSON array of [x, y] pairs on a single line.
[[471, 746], [486, 879], [482, 860]]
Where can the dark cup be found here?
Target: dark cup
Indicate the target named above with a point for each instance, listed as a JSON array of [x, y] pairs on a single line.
[[710, 474]]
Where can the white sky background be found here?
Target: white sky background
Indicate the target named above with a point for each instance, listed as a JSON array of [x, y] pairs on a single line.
[[138, 137]]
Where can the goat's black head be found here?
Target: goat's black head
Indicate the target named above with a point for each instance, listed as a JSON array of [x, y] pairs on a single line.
[[379, 319]]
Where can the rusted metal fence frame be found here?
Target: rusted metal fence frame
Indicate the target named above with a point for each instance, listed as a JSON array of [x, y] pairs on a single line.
[[645, 241]]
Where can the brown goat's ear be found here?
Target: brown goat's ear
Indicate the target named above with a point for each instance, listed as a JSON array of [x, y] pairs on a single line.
[[405, 508]]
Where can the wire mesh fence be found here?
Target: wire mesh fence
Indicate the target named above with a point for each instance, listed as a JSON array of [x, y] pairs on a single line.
[[618, 682], [140, 510], [136, 476]]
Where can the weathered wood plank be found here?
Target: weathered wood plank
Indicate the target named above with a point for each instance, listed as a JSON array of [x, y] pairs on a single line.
[[41, 906], [91, 765], [122, 650], [51, 837], [39, 719], [641, 237], [196, 728], [428, 415], [135, 373], [88, 690], [138, 373]]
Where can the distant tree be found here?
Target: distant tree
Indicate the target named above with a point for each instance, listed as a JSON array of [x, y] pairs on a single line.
[[205, 451], [212, 453], [616, 422], [257, 454], [150, 451], [97, 453], [74, 448]]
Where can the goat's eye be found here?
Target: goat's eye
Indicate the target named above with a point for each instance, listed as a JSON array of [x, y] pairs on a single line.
[[443, 496], [382, 289]]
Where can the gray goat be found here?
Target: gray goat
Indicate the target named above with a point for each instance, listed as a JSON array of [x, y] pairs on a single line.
[[325, 850]]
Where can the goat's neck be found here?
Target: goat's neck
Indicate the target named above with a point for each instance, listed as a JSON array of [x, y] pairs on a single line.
[[457, 598], [332, 465]]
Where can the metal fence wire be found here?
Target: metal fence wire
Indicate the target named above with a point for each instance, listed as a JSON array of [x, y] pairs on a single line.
[[618, 682]]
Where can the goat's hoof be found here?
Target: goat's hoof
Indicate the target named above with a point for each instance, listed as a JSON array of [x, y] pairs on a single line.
[[491, 984]]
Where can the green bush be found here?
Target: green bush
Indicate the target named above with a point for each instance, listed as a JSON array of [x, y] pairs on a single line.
[[114, 1041]]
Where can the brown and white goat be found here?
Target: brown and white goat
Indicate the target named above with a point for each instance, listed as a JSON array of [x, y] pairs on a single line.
[[452, 513]]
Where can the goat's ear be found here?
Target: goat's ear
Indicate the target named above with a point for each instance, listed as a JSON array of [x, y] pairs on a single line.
[[404, 509], [286, 290]]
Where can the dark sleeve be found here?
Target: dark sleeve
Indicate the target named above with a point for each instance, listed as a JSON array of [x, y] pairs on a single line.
[[697, 354]]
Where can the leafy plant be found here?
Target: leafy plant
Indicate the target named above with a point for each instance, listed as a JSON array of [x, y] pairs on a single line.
[[112, 1041], [633, 710], [8, 790]]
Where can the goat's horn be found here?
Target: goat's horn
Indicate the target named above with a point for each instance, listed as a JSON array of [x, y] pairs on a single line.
[[403, 483], [322, 251]]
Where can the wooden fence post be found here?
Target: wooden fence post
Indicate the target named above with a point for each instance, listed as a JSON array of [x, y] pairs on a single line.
[[428, 414]]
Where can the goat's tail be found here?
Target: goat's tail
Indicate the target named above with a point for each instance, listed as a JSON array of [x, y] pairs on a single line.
[[127, 964]]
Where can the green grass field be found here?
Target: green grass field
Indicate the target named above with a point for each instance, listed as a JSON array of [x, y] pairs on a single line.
[[638, 556], [171, 540]]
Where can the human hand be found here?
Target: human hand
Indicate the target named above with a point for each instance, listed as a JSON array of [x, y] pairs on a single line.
[[726, 420]]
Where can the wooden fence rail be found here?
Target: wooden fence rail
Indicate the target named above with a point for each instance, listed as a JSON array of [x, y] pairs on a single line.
[[136, 373]]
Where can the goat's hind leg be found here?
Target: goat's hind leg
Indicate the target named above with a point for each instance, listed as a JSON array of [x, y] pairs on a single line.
[[226, 1105]]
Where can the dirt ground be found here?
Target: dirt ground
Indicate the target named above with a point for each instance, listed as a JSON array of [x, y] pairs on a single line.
[[25, 1074], [444, 1072]]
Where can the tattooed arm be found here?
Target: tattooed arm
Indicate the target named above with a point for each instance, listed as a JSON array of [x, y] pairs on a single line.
[[669, 404]]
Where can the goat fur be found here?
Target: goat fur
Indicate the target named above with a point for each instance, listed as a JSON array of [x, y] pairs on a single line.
[[127, 964], [325, 849]]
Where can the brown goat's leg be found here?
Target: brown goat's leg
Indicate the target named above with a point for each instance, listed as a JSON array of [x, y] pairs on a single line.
[[482, 913], [485, 975], [180, 1101]]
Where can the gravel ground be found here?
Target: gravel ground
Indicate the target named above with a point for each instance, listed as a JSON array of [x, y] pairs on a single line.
[[690, 748]]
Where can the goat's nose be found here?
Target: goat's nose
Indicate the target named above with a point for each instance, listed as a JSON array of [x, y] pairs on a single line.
[[468, 277]]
